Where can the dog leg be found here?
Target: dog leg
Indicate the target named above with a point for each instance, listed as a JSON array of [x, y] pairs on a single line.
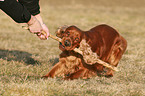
[[58, 69], [79, 74], [116, 56]]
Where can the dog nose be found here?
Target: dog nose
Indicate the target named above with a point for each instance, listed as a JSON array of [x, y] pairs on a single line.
[[67, 43]]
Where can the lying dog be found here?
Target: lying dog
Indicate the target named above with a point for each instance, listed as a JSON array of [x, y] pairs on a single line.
[[103, 40]]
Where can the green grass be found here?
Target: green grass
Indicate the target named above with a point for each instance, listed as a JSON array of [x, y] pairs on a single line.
[[24, 58]]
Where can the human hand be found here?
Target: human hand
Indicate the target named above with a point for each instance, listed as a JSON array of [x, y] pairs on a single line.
[[44, 35], [36, 28], [44, 27]]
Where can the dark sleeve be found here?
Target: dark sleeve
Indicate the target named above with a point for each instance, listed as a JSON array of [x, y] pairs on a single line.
[[31, 5], [15, 10]]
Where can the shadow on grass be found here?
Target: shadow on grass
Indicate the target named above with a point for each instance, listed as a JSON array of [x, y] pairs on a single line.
[[15, 55], [53, 61], [18, 78]]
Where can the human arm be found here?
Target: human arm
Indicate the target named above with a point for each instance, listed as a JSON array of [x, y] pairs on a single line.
[[34, 8], [19, 13], [15, 10]]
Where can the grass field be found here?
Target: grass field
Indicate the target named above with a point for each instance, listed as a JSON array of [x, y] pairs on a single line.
[[24, 58]]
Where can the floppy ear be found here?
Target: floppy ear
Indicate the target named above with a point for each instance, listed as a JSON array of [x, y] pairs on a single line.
[[61, 30]]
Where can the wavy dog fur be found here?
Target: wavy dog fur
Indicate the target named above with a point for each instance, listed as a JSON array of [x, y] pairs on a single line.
[[103, 40]]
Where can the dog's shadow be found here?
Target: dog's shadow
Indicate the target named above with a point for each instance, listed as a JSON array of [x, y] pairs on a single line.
[[20, 56]]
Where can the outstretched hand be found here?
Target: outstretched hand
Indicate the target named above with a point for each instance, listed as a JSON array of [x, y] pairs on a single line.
[[36, 27], [43, 35]]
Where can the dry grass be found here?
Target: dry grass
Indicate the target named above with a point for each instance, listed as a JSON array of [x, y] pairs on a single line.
[[25, 58]]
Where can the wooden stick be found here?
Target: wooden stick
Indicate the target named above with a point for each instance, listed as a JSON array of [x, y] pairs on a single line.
[[51, 36], [95, 59], [91, 57], [55, 38]]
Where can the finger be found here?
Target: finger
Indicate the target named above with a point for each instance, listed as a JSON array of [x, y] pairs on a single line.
[[38, 34], [47, 36], [42, 37], [45, 33], [35, 31]]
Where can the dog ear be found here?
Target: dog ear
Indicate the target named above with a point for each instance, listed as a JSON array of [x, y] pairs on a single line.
[[59, 32]]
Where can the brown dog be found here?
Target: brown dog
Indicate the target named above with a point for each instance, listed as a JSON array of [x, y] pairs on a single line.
[[104, 40]]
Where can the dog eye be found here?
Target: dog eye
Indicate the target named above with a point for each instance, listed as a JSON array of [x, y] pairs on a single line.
[[76, 39], [62, 31], [67, 33]]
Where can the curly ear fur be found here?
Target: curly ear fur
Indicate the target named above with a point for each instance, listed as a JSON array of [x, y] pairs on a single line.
[[59, 32]]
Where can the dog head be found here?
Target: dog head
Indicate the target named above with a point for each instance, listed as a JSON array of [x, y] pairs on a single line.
[[71, 37]]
